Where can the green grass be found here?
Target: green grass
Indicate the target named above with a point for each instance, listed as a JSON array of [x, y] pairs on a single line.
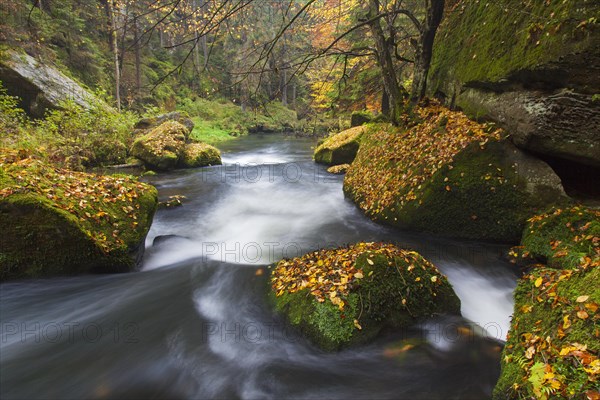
[[209, 132]]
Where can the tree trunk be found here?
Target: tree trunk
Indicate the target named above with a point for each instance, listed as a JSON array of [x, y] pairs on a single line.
[[395, 92], [385, 103], [424, 49], [138, 56], [112, 5]]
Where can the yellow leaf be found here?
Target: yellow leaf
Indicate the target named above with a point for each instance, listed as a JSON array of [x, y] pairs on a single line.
[[582, 299], [566, 322], [358, 275], [370, 261], [357, 325], [538, 282], [434, 279]]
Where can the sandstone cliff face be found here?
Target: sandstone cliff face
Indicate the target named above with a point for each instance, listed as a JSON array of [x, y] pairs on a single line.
[[533, 67]]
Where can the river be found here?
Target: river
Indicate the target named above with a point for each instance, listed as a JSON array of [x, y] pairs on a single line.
[[194, 323]]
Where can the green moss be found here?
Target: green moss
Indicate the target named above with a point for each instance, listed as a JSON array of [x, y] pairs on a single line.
[[62, 222], [546, 322], [340, 148], [487, 41], [556, 323], [162, 147], [200, 155], [394, 289], [444, 171], [562, 237]]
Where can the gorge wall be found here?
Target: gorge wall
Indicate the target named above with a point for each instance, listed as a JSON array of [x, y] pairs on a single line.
[[533, 67]]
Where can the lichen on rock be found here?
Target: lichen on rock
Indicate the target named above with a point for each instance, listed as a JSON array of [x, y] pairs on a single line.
[[340, 148], [344, 296], [60, 222]]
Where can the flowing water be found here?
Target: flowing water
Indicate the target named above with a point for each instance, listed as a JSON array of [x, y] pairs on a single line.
[[194, 323]]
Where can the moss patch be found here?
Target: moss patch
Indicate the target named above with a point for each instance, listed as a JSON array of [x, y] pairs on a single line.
[[445, 174], [340, 148], [200, 155], [487, 41], [56, 221], [162, 147], [564, 238], [347, 295], [553, 346]]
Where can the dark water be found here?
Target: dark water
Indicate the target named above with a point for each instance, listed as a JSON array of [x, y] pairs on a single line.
[[194, 323]]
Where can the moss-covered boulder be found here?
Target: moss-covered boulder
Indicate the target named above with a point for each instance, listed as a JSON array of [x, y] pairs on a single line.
[[348, 295], [340, 148], [59, 222], [563, 237], [200, 155], [553, 347], [162, 147], [530, 66], [153, 122], [448, 175]]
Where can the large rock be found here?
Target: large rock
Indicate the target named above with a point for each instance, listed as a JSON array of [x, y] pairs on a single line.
[[150, 123], [340, 148], [39, 85], [162, 147], [349, 295], [448, 175], [200, 155], [58, 222], [534, 72], [553, 345]]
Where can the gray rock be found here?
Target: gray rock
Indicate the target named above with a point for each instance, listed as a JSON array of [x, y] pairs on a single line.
[[562, 123], [39, 85]]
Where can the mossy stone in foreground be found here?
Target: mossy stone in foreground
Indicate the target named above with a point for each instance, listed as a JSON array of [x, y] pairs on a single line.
[[200, 155], [554, 340], [340, 148], [553, 346], [59, 222], [348, 295]]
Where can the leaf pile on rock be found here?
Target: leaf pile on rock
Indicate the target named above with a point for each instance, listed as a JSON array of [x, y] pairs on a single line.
[[114, 212], [443, 173], [349, 294], [404, 158], [553, 347]]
